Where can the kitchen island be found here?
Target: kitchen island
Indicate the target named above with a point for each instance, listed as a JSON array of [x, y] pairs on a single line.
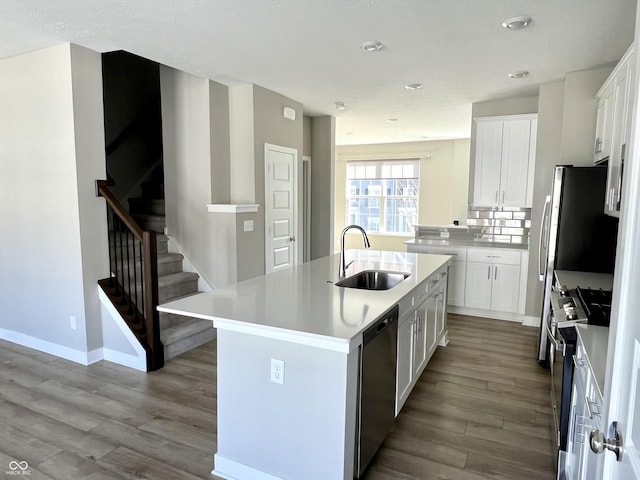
[[297, 419]]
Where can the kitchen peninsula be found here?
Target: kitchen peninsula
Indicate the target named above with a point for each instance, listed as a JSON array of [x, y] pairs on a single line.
[[296, 418]]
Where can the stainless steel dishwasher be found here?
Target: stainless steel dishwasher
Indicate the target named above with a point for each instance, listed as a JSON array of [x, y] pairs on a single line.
[[376, 388]]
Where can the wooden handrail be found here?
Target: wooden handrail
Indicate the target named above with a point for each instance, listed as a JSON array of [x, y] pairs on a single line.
[[150, 338], [102, 190]]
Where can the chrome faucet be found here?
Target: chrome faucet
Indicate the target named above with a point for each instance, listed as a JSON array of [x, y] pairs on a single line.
[[343, 266]]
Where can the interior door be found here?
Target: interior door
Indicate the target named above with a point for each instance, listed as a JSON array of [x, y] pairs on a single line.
[[280, 207], [622, 389]]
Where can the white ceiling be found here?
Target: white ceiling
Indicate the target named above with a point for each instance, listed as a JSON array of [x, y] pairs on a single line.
[[309, 50]]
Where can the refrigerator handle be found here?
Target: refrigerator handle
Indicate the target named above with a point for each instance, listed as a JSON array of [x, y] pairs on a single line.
[[543, 237]]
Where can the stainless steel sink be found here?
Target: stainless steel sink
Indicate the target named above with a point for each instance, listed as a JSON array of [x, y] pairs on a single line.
[[373, 280]]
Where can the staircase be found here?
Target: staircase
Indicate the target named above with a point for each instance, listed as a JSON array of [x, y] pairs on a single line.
[[178, 333]]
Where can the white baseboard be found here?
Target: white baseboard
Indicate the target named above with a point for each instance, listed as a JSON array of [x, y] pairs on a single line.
[[477, 312], [131, 361], [77, 356], [231, 470], [531, 321], [19, 338]]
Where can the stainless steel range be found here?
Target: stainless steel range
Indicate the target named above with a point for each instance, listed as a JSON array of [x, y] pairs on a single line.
[[569, 306]]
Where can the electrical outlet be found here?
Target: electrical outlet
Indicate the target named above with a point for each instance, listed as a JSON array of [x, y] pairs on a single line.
[[444, 234], [277, 371], [248, 225], [72, 322]]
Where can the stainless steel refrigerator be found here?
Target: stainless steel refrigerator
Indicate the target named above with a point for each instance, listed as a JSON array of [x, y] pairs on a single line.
[[575, 233]]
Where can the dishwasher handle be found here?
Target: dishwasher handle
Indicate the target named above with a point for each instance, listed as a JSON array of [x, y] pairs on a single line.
[[389, 319]]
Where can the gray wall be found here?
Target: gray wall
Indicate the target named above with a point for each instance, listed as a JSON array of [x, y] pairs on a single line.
[[54, 238], [220, 143], [306, 136], [550, 116], [208, 242], [323, 131], [270, 127]]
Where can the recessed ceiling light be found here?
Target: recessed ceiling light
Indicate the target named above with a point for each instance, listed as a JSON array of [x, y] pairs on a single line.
[[516, 23], [520, 74], [371, 46], [340, 105], [413, 86]]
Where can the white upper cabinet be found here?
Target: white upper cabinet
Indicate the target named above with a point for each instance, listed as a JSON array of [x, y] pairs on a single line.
[[612, 128], [505, 161]]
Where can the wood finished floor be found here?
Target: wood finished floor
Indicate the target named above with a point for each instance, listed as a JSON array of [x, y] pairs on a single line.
[[480, 411]]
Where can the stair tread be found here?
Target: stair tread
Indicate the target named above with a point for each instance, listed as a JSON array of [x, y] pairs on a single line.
[[174, 278], [169, 257], [183, 330]]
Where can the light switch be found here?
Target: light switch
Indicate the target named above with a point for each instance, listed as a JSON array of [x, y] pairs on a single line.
[[248, 225]]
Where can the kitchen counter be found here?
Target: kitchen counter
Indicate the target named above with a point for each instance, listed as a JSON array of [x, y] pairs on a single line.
[[288, 361], [595, 340], [573, 279], [465, 243], [302, 304]]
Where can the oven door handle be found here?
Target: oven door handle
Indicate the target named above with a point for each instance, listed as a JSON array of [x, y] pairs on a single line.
[[558, 345]]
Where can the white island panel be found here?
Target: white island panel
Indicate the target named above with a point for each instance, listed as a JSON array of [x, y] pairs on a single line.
[[304, 428]]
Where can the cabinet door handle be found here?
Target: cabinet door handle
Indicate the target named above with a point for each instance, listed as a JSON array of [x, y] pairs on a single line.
[[489, 272], [502, 201], [495, 273], [496, 196], [598, 148]]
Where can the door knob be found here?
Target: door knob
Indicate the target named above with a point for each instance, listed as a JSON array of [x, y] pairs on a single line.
[[599, 443], [292, 239]]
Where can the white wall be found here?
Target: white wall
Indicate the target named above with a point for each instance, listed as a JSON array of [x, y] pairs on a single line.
[[53, 228], [207, 241], [444, 180]]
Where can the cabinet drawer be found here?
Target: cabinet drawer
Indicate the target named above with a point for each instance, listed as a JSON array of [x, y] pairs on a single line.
[[494, 255]]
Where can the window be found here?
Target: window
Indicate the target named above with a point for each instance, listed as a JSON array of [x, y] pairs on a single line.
[[382, 195]]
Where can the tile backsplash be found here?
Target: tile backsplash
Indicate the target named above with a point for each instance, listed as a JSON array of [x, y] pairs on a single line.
[[491, 225], [508, 225]]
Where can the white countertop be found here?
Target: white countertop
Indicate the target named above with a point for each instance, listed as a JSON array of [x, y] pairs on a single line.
[[595, 340], [572, 279], [434, 242], [302, 303]]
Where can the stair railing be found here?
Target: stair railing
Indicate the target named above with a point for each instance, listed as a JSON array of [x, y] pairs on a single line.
[[132, 284]]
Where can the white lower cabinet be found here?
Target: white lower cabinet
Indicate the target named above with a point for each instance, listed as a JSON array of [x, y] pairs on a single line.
[[478, 291], [420, 329], [493, 279], [404, 371], [586, 407]]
